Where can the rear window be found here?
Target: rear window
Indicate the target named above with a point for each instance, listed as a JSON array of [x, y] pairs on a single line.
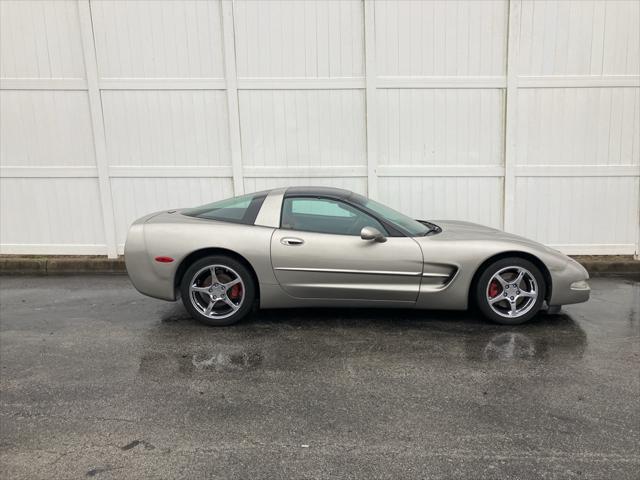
[[242, 209]]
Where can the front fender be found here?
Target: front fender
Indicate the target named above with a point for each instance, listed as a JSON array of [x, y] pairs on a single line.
[[468, 256]]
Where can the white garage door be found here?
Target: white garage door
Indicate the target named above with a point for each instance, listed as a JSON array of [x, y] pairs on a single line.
[[518, 114]]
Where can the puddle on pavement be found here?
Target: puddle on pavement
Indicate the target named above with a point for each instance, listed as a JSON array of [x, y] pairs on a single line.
[[167, 364], [512, 345], [243, 359], [558, 337]]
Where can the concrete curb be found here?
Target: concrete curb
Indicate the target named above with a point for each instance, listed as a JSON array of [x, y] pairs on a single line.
[[56, 265], [606, 264]]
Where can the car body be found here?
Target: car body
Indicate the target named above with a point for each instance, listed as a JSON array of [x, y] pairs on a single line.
[[322, 247]]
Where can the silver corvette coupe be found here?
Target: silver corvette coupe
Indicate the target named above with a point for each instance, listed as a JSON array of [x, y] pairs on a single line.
[[326, 247]]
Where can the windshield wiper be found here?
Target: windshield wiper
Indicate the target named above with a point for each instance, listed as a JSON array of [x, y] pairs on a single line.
[[433, 228]]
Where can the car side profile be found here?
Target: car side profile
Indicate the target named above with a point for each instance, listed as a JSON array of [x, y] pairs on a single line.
[[328, 247]]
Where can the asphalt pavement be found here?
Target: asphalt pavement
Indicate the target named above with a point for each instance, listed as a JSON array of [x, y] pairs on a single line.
[[99, 381]]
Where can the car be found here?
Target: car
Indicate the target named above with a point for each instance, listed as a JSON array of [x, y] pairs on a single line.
[[328, 247]]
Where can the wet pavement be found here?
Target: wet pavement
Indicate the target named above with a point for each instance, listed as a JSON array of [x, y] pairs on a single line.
[[99, 381]]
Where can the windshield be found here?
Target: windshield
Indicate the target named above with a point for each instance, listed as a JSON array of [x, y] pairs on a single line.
[[411, 226]]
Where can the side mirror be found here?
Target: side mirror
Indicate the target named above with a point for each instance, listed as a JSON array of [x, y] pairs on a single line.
[[370, 233]]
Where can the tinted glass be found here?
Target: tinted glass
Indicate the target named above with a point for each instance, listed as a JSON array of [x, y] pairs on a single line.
[[325, 216], [411, 226], [312, 206], [242, 209]]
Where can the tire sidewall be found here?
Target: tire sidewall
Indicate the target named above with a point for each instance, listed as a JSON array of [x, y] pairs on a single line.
[[485, 276], [232, 263]]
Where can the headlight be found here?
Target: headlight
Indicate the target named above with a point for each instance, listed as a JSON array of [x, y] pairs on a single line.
[[581, 285]]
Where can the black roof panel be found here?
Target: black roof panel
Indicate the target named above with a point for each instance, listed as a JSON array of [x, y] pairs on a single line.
[[320, 191]]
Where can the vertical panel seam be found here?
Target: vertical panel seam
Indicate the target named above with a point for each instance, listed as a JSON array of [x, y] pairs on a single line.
[[233, 104], [511, 114], [370, 96], [97, 124], [637, 252]]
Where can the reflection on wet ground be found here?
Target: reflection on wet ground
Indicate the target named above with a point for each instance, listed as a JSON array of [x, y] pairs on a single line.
[[361, 331], [342, 332], [100, 381]]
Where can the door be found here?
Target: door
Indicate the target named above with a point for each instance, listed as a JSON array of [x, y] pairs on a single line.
[[318, 253]]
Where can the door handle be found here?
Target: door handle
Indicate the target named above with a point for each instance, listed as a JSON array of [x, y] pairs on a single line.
[[291, 241]]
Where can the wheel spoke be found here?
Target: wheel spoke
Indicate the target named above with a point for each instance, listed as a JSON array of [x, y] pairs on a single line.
[[502, 281], [210, 307], [497, 299], [232, 283], [527, 294], [214, 277], [228, 301], [195, 288], [519, 277], [513, 309]]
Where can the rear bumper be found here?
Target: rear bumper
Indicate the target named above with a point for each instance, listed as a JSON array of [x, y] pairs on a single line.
[[143, 272]]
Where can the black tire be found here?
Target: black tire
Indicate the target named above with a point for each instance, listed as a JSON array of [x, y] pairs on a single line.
[[226, 268], [530, 308]]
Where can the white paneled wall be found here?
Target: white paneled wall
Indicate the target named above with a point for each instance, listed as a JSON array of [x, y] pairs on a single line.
[[40, 40], [456, 127], [605, 216], [579, 126], [45, 128], [303, 128], [579, 37], [58, 214], [163, 39], [441, 38], [518, 114], [166, 128], [308, 39]]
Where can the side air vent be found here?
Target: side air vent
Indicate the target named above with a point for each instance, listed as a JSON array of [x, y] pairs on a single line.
[[437, 276]]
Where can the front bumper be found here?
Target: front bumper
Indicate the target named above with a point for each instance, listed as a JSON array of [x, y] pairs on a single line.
[[570, 285]]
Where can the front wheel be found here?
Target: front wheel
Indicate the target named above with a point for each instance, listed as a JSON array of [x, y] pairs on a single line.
[[510, 291], [217, 290]]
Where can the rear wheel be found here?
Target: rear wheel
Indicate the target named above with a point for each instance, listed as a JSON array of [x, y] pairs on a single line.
[[217, 290], [510, 291]]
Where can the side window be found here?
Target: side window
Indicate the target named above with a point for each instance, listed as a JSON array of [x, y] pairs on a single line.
[[324, 215], [238, 209], [314, 206]]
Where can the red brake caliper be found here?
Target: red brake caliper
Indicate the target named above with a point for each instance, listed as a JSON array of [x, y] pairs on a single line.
[[235, 291], [494, 289]]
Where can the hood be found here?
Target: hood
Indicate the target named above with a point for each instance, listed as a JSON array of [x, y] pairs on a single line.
[[458, 226], [465, 232], [458, 230]]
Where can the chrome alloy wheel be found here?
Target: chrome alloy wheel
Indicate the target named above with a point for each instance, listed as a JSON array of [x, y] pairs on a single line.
[[512, 292], [217, 291]]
